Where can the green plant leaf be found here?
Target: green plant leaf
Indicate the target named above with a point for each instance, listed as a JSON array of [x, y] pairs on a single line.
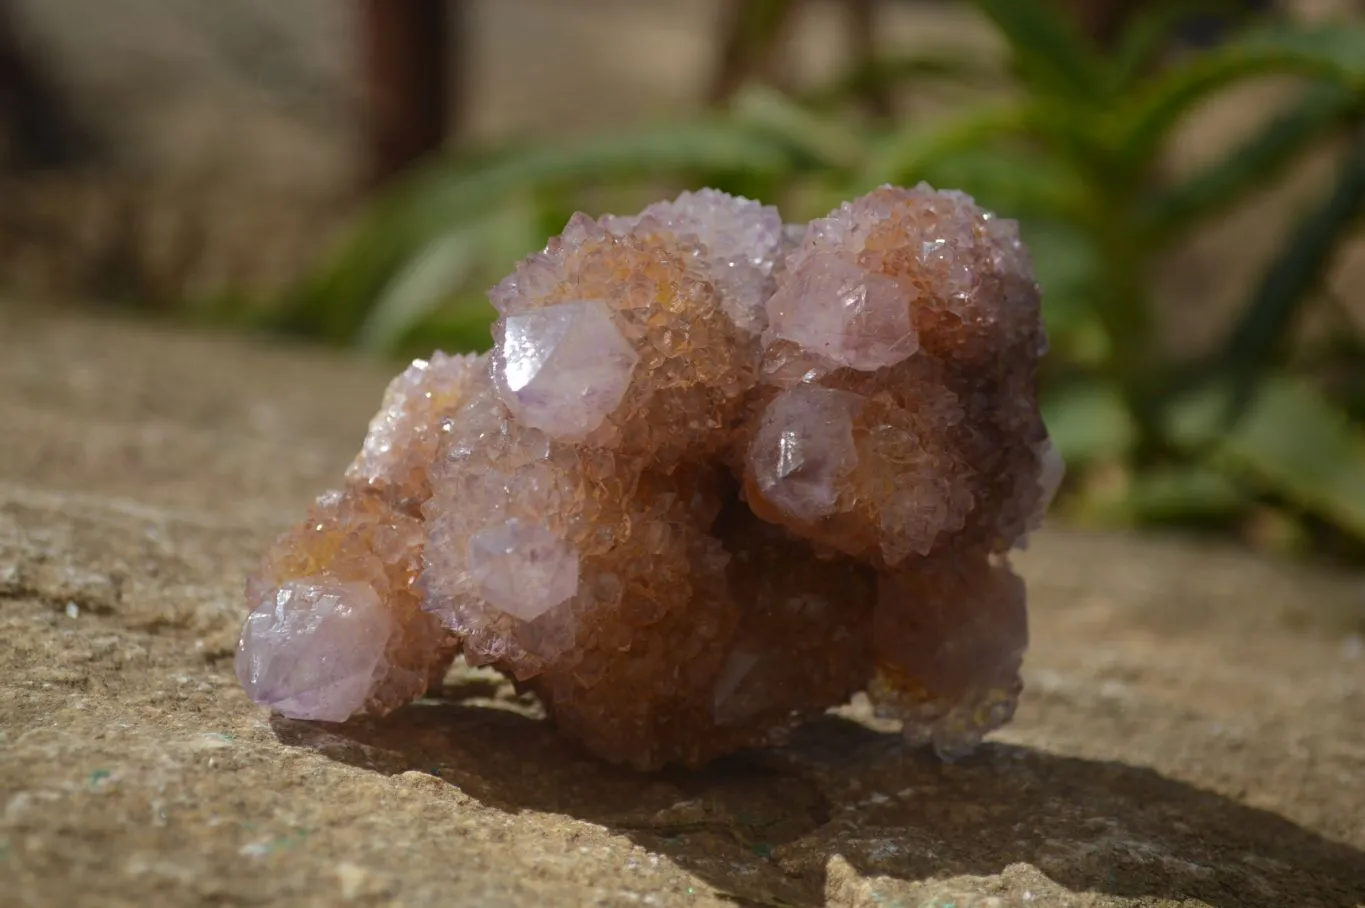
[[334, 300], [832, 145], [1017, 182], [963, 66], [905, 156], [1180, 494], [445, 281], [1264, 325], [1069, 270], [1049, 53], [1290, 442], [1319, 113], [1088, 422], [421, 286], [1149, 32], [1335, 55], [462, 325]]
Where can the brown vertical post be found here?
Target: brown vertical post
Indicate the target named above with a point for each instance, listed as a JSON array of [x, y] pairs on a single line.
[[407, 45], [862, 15], [42, 130], [750, 32], [1102, 20]]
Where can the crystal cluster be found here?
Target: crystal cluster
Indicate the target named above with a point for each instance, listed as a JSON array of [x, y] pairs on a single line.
[[717, 474]]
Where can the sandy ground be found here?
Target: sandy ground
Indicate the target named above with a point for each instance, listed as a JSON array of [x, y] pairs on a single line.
[[1193, 731]]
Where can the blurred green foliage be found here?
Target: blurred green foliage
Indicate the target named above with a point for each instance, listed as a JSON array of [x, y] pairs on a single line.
[[1067, 137]]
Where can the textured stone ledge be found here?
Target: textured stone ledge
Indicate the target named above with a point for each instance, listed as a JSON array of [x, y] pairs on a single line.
[[1193, 725]]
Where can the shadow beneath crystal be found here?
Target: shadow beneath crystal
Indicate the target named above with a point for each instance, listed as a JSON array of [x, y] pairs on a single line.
[[761, 827]]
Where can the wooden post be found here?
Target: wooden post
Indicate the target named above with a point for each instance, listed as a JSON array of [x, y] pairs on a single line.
[[862, 15], [407, 46], [34, 116], [1101, 20], [750, 32]]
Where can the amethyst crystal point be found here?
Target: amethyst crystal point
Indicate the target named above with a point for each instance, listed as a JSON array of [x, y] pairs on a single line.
[[834, 308], [312, 650], [564, 368], [521, 568], [804, 451], [336, 626], [718, 474]]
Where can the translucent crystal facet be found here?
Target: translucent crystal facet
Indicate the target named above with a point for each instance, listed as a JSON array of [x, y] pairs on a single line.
[[717, 474], [1051, 473], [522, 568], [852, 317], [563, 369], [804, 449], [311, 651]]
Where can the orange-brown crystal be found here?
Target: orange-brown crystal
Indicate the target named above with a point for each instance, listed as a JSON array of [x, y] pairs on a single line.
[[717, 474]]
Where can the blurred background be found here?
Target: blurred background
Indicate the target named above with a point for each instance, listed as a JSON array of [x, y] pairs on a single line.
[[1189, 177]]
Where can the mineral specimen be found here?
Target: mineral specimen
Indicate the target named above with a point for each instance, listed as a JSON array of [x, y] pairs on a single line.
[[716, 475]]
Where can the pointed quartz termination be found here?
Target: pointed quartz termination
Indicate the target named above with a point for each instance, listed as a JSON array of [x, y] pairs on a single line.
[[346, 627], [335, 629], [672, 299], [834, 308], [861, 467], [717, 474], [522, 568], [899, 270], [804, 451], [564, 368], [338, 588]]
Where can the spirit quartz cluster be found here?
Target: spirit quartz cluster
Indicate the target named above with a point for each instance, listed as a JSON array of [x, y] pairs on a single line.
[[717, 474]]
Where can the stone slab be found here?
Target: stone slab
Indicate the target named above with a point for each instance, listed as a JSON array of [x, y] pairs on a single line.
[[1193, 732]]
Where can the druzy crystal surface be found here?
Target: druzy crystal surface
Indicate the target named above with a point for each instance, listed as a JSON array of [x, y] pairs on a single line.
[[717, 474]]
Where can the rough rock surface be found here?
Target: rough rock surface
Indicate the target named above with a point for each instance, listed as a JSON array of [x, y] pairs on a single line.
[[1192, 731]]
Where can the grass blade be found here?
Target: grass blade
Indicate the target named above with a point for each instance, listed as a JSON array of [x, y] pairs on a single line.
[[1016, 182], [1290, 442], [445, 282], [420, 288], [1263, 327], [906, 155], [334, 300], [1323, 110], [1333, 55], [1149, 33], [1049, 53], [831, 144], [960, 66]]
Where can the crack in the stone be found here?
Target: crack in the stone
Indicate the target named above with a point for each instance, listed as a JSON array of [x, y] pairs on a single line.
[[14, 585]]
